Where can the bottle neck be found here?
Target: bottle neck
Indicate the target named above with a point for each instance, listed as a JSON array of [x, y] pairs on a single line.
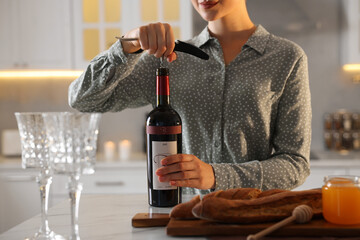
[[162, 91]]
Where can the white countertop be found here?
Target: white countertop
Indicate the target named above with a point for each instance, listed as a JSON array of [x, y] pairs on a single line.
[[15, 163], [108, 217], [335, 163], [8, 163], [101, 217]]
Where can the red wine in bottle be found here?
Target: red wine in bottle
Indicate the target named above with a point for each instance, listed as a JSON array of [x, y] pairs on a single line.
[[163, 130]]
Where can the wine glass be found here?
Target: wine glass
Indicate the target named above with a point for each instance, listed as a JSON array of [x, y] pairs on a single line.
[[35, 154], [72, 139]]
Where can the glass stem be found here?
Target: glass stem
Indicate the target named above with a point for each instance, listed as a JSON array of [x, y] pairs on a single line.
[[75, 188], [44, 180]]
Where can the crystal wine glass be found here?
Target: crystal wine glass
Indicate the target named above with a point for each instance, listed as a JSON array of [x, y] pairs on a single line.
[[72, 139], [35, 154]]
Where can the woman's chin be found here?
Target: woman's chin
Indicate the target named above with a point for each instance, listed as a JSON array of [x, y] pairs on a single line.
[[208, 16]]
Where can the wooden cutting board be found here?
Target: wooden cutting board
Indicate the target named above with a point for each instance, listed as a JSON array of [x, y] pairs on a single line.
[[150, 220], [315, 228]]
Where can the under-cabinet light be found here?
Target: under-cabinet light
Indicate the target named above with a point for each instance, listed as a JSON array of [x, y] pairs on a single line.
[[40, 74], [351, 67]]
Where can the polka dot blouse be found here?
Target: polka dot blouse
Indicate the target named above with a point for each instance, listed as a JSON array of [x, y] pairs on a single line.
[[250, 119]]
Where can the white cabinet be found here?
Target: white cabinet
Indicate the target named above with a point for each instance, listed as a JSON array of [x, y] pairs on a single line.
[[322, 168], [96, 23], [35, 34], [350, 34], [64, 34], [19, 197], [7, 33], [109, 178], [354, 172], [317, 174]]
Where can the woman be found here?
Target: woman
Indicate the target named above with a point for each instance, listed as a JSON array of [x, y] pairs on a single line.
[[246, 111]]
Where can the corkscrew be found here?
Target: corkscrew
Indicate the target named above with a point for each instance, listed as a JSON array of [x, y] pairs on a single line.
[[179, 47]]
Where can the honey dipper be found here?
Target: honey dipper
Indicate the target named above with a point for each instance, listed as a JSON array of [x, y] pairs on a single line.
[[301, 214]]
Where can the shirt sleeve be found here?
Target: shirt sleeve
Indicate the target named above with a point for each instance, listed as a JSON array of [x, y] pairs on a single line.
[[289, 164], [111, 82]]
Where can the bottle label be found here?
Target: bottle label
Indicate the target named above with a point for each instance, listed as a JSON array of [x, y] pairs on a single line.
[[161, 150], [163, 130]]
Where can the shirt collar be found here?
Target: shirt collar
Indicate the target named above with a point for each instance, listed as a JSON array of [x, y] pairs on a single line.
[[258, 40]]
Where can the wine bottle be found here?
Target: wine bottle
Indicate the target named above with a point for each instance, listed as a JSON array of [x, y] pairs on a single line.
[[163, 130]]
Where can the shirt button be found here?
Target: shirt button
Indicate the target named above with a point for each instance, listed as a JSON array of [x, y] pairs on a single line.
[[217, 143]]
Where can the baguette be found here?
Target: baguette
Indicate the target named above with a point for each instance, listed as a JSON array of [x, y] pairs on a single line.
[[264, 209], [184, 210], [271, 192], [236, 193]]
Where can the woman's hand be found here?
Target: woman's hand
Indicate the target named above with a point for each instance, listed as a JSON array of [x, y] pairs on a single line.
[[185, 170], [156, 38]]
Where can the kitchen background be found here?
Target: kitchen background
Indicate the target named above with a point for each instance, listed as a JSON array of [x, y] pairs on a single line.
[[65, 40], [62, 36]]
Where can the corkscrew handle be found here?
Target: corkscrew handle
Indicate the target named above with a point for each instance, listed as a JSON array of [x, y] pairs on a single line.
[[179, 47]]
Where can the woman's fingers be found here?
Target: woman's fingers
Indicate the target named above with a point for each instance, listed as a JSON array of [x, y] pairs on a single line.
[[179, 176], [171, 57], [193, 183], [133, 46], [161, 40], [186, 170], [143, 38], [170, 40], [155, 38], [152, 39], [176, 167], [176, 158]]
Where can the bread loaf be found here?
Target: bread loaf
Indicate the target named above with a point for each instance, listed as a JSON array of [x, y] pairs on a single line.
[[184, 210], [272, 206], [236, 193], [271, 192]]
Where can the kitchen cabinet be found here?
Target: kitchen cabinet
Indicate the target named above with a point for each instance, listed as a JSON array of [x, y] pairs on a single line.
[[322, 168], [7, 59], [19, 197], [97, 22], [350, 34], [35, 34], [53, 34], [316, 177], [354, 172], [109, 178]]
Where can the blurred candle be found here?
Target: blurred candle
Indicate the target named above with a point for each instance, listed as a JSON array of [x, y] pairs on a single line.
[[109, 150], [124, 150]]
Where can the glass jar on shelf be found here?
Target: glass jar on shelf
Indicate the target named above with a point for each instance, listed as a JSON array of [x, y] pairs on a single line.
[[328, 139], [328, 121], [356, 121], [347, 142], [337, 121], [356, 140], [346, 121], [337, 141]]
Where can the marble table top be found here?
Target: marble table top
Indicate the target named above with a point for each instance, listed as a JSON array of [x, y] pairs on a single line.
[[100, 217], [108, 217]]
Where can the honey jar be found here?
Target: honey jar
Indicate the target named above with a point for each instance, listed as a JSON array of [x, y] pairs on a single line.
[[341, 199]]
